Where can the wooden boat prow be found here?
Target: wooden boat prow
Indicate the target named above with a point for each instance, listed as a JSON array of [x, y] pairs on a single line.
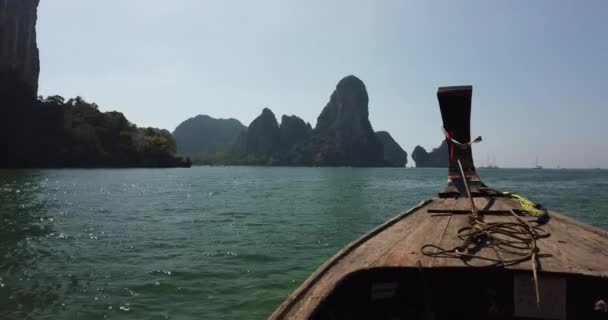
[[386, 275]]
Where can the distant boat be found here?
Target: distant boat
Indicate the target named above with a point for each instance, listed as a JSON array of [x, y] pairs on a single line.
[[470, 253], [491, 164], [537, 166]]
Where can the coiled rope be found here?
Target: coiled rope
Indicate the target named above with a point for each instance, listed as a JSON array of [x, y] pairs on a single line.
[[517, 239], [514, 239]]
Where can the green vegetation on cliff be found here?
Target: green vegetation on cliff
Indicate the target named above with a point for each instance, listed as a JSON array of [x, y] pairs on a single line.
[[206, 135], [343, 136], [52, 132]]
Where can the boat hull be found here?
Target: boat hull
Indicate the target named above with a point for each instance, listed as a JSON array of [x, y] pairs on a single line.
[[418, 286]]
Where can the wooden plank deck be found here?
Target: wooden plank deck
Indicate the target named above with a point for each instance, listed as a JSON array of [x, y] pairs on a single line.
[[572, 247]]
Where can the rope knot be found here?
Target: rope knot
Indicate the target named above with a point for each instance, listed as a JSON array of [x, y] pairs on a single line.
[[449, 136]]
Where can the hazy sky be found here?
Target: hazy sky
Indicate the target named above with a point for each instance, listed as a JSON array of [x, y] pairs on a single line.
[[539, 68]]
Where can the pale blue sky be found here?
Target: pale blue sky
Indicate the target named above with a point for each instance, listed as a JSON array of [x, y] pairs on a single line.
[[539, 68]]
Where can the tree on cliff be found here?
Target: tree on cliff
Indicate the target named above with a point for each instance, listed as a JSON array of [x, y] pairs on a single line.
[[204, 135], [343, 136], [74, 133]]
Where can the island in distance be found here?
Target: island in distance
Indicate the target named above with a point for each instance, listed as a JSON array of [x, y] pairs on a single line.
[[72, 132], [437, 158], [343, 136]]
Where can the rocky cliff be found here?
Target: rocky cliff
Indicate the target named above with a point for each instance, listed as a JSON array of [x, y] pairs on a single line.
[[19, 61], [263, 136], [294, 131], [267, 143], [52, 132], [343, 135], [436, 158], [206, 135], [394, 155], [295, 141]]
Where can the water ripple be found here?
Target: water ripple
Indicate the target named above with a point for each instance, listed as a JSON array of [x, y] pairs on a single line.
[[211, 242]]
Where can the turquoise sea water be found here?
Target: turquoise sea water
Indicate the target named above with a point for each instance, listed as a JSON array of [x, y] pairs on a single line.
[[212, 242]]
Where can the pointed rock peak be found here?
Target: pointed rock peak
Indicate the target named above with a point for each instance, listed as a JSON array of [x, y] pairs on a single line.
[[351, 82], [267, 118], [266, 115], [353, 89], [343, 129], [263, 136], [267, 112]]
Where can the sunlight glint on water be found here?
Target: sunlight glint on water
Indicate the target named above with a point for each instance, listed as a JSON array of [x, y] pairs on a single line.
[[212, 242]]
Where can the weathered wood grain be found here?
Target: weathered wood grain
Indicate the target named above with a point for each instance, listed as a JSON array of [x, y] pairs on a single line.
[[573, 247]]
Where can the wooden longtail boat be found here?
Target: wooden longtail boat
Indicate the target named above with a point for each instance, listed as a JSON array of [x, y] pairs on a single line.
[[470, 253]]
